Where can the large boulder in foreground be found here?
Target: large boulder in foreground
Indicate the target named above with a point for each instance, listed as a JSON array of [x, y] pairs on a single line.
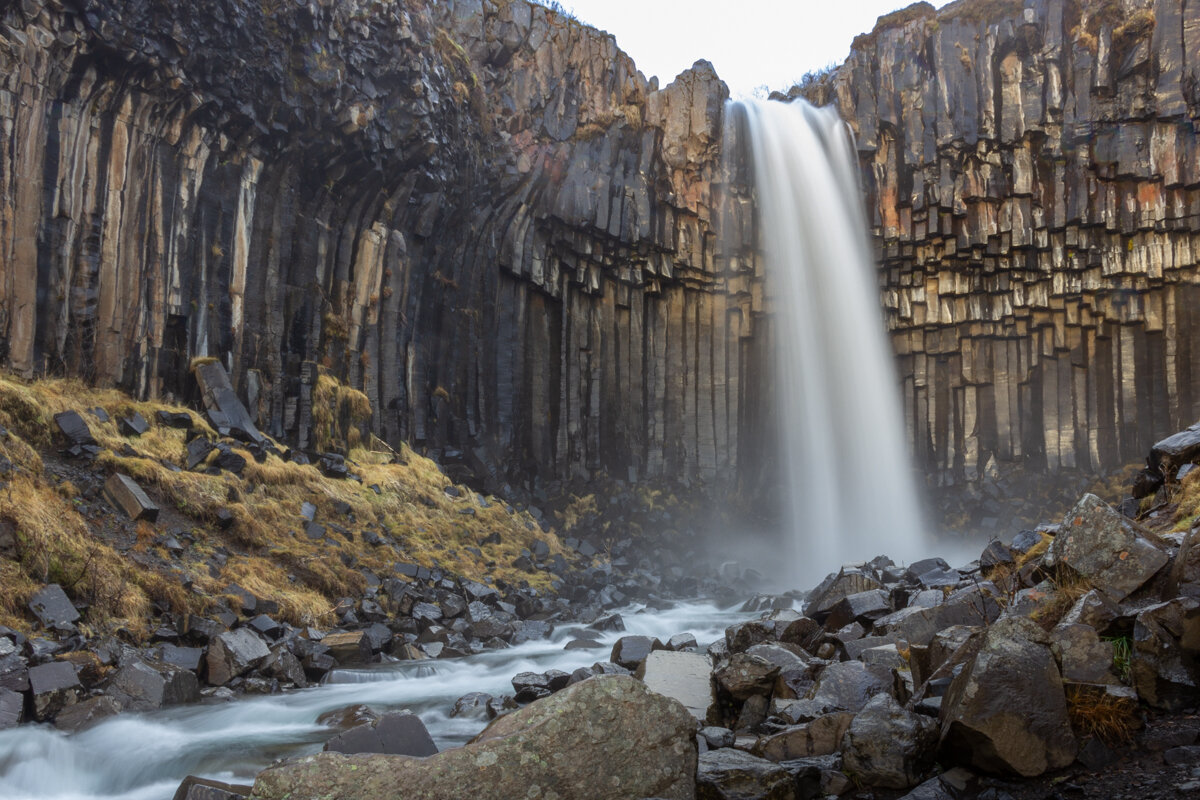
[[888, 746], [608, 738], [1102, 545], [1006, 712], [729, 774]]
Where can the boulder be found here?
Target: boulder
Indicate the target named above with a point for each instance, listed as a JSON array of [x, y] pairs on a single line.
[[82, 715], [349, 648], [1113, 553], [1082, 656], [225, 411], [194, 788], [836, 587], [734, 775], [54, 609], [234, 653], [1006, 712], [125, 495], [849, 686], [603, 739], [14, 673], [398, 733], [12, 709], [138, 686], [74, 428], [182, 657], [686, 677], [630, 651], [819, 737], [889, 747], [744, 635], [746, 676], [975, 605], [54, 686], [864, 607], [134, 425], [1166, 654]]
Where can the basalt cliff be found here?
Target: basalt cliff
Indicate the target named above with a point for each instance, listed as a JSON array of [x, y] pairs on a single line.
[[480, 213]]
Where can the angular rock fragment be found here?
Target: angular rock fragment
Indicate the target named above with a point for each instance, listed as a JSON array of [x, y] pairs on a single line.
[[396, 733], [234, 653], [889, 747], [124, 494], [54, 687], [686, 677], [1006, 712], [728, 774], [1113, 553], [54, 609]]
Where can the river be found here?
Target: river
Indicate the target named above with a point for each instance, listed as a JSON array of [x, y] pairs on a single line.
[[145, 756]]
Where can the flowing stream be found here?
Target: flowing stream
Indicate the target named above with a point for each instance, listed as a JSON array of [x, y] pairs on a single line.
[[851, 489], [145, 756]]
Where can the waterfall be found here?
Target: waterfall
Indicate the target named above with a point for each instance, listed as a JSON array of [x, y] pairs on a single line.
[[850, 489]]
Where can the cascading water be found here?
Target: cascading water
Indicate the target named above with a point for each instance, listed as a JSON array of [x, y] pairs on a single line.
[[145, 756], [851, 491]]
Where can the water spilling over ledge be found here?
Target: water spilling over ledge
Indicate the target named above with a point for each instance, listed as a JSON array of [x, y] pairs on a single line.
[[850, 490]]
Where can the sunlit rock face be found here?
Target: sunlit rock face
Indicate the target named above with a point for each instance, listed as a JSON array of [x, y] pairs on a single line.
[[1030, 171]]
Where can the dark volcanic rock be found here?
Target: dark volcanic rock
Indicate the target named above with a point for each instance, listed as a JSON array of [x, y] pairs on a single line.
[[54, 609], [728, 774], [53, 686], [889, 747], [985, 726], [234, 653], [397, 734], [604, 738]]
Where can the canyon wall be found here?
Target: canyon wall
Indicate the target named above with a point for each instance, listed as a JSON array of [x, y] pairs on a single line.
[[479, 212], [1033, 172]]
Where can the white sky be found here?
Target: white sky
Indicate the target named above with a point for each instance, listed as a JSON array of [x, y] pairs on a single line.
[[749, 42]]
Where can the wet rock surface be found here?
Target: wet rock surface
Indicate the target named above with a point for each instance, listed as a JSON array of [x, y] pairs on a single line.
[[647, 750]]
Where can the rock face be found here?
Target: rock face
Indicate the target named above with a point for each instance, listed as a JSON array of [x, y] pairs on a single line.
[[1030, 169], [605, 738], [485, 217], [481, 214], [888, 746]]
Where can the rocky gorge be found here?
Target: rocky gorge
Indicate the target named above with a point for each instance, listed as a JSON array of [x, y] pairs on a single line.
[[315, 244]]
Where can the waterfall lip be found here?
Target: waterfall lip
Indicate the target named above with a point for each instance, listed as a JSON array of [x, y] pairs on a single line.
[[851, 493]]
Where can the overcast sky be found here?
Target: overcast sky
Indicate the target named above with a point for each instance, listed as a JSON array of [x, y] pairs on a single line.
[[750, 42]]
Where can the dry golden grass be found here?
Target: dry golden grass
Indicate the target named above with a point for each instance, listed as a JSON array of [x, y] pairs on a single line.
[[341, 416], [271, 555], [1094, 712], [1069, 586]]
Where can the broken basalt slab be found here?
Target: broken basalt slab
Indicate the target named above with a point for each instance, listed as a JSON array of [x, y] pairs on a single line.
[[1115, 555]]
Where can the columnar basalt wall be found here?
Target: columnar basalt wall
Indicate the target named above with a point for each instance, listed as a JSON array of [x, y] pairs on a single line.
[[479, 212], [1033, 172]]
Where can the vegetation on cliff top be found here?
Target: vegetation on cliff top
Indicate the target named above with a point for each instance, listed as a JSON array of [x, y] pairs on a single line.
[[218, 528]]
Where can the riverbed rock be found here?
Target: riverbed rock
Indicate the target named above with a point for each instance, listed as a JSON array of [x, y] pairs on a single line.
[[849, 686], [82, 715], [746, 676], [728, 774], [818, 737], [889, 747], [630, 651], [397, 733], [193, 788], [53, 686], [234, 653], [12, 708], [1102, 545], [1082, 656], [138, 686], [605, 738], [349, 648], [686, 677], [1006, 712]]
